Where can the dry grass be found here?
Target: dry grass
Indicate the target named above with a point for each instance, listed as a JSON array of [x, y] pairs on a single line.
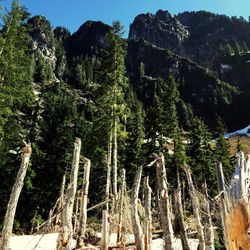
[[244, 141]]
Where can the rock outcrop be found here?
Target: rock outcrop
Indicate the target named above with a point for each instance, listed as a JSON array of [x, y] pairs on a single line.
[[162, 29], [43, 39]]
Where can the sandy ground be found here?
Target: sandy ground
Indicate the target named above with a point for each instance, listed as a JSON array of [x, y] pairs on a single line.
[[48, 242]]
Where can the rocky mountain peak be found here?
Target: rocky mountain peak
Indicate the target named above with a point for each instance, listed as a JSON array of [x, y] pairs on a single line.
[[162, 30], [88, 37], [164, 15]]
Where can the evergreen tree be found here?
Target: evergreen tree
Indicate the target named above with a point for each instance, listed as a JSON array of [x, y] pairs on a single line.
[[200, 155], [132, 150], [111, 111], [61, 121], [222, 153], [16, 95]]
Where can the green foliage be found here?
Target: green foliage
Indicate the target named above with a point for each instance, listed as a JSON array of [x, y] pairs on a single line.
[[221, 151], [201, 157], [16, 98], [61, 121], [61, 35]]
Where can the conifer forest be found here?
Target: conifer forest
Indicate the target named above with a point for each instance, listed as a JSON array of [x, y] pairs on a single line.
[[115, 142]]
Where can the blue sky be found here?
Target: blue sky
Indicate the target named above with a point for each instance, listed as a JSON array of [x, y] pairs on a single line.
[[73, 13]]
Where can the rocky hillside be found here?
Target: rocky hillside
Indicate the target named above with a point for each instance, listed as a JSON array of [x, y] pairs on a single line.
[[205, 52], [199, 36]]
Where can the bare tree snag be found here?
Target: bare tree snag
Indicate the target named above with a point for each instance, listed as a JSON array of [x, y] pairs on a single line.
[[67, 232], [105, 231], [84, 203], [196, 208], [16, 190], [76, 214], [222, 189], [148, 214], [208, 229], [120, 210], [139, 239], [180, 217], [164, 204]]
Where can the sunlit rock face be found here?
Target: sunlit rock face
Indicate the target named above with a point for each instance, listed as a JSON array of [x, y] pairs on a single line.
[[43, 39]]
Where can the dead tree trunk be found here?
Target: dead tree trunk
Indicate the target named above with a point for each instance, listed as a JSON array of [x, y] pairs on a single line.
[[84, 202], [180, 218], [148, 214], [16, 190], [65, 237], [164, 204], [76, 215], [105, 231], [121, 206], [222, 189], [196, 208], [208, 229], [139, 241]]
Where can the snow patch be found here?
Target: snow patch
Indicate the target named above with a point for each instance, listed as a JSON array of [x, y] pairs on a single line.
[[225, 68], [245, 131]]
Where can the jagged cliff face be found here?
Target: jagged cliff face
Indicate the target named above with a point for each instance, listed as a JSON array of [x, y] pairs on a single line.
[[196, 35], [161, 29], [43, 39]]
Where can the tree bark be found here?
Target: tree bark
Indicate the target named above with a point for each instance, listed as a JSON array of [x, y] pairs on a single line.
[[164, 204], [139, 240], [148, 214], [196, 208], [65, 237], [76, 214], [105, 231], [208, 229], [84, 203], [121, 206], [16, 190], [221, 188], [180, 217]]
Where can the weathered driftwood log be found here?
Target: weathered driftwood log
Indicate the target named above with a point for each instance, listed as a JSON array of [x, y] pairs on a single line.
[[148, 214], [138, 233], [196, 208], [84, 203], [208, 228], [105, 231], [16, 190], [120, 210], [65, 237], [164, 204], [180, 217]]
